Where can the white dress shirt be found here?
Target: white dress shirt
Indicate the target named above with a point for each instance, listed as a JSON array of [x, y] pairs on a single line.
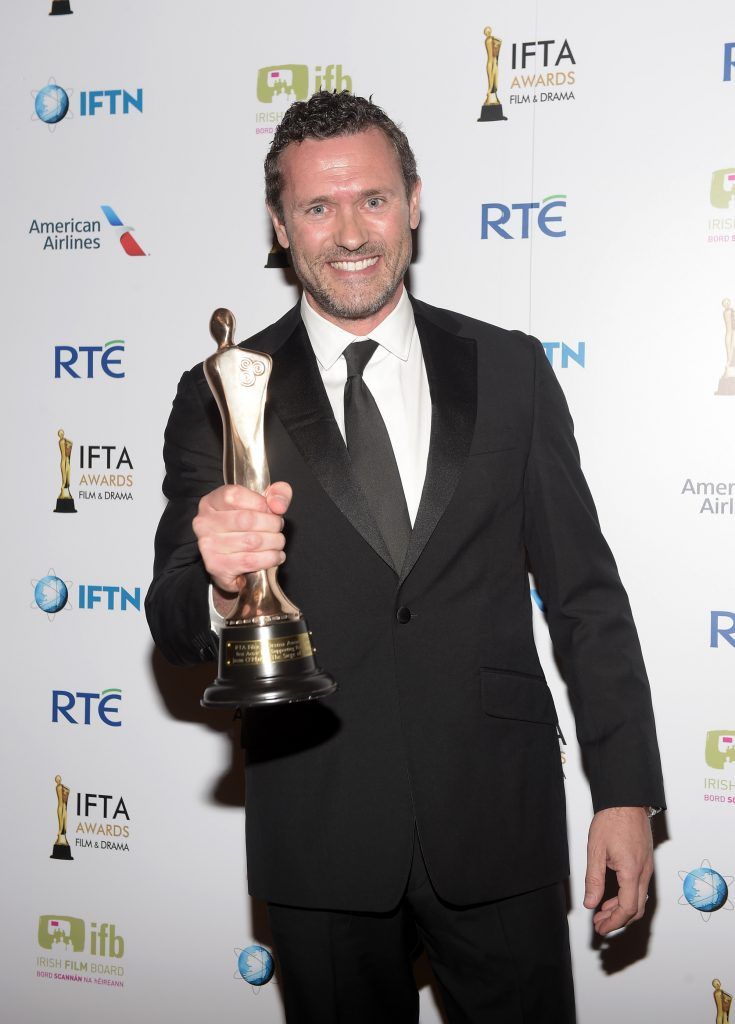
[[396, 377]]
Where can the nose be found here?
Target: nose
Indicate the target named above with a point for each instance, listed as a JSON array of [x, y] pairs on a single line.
[[350, 231]]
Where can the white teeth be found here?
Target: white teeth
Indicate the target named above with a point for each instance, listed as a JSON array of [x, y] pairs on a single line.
[[356, 264]]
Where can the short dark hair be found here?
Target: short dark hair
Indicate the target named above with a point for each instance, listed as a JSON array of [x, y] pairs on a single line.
[[325, 116]]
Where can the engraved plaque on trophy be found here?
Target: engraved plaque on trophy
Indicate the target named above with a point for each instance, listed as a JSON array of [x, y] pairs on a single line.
[[265, 650]]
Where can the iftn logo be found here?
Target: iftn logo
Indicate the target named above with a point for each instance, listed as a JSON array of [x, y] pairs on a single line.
[[705, 889], [52, 103], [254, 965]]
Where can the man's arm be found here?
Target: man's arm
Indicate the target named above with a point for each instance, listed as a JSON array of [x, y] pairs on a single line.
[[597, 647]]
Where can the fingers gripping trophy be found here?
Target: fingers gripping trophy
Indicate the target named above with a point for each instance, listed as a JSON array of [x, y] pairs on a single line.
[[265, 650]]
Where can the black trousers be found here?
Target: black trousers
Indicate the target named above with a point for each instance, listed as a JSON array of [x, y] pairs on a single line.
[[505, 962]]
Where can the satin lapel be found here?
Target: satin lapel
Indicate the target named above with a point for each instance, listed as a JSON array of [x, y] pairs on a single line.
[[451, 368], [297, 396]]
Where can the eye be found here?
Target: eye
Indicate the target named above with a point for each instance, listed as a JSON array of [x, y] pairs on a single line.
[[317, 210], [374, 202]]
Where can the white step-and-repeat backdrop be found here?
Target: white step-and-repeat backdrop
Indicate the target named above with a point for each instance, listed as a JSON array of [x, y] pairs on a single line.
[[599, 214]]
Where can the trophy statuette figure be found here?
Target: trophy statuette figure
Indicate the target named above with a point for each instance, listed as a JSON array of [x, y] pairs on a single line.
[[61, 850], [492, 108], [265, 650], [65, 502]]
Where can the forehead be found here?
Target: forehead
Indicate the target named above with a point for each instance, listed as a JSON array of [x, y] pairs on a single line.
[[365, 160]]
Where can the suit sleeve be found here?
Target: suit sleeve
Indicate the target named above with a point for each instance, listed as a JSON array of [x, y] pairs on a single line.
[[588, 612], [177, 603]]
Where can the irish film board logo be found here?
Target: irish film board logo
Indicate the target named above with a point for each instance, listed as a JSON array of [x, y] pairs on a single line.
[[705, 890], [719, 755], [69, 943], [721, 228], [279, 85]]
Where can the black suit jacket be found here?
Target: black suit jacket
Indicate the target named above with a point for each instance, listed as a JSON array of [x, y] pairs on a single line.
[[444, 720]]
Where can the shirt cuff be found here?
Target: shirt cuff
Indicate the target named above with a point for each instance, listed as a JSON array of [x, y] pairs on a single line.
[[216, 620]]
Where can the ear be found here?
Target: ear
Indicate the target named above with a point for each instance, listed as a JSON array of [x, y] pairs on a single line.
[[279, 227], [414, 208]]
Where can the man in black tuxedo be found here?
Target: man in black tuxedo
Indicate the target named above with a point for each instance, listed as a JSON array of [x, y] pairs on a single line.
[[427, 467]]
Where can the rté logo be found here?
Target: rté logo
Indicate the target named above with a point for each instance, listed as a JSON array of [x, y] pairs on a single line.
[[105, 706], [548, 218], [88, 361]]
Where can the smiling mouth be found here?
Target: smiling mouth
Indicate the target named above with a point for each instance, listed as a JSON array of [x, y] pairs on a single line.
[[352, 265]]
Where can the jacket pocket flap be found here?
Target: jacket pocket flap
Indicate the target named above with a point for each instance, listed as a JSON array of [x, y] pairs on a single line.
[[516, 695]]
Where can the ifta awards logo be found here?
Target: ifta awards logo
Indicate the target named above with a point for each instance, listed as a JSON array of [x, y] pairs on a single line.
[[61, 850], [723, 1002], [727, 380], [492, 108], [65, 501]]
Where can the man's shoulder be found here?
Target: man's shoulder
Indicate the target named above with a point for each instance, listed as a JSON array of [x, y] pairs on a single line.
[[463, 326]]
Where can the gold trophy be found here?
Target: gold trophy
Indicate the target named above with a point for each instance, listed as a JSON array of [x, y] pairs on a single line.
[[727, 380], [62, 850], [265, 651], [492, 108], [65, 502]]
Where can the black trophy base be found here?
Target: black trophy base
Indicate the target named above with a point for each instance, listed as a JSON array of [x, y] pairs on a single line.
[[492, 112], [64, 505], [272, 664], [61, 7], [62, 851]]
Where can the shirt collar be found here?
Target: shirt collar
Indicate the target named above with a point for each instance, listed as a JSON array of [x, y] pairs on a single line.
[[329, 341]]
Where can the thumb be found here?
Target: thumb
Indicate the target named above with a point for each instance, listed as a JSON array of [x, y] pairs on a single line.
[[278, 497], [594, 880]]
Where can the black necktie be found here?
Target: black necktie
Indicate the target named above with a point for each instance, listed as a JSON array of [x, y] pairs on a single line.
[[371, 455]]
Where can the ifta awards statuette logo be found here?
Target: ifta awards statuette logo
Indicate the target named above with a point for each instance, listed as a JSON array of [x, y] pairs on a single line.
[[65, 502], [727, 380], [723, 1002], [265, 651], [61, 850], [492, 108]]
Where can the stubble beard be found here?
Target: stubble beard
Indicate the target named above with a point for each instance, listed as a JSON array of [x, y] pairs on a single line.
[[347, 305]]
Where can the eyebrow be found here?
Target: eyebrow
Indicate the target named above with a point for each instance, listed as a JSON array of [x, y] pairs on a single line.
[[365, 194]]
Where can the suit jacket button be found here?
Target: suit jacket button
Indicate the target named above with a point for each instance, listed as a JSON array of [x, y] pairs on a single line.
[[403, 615]]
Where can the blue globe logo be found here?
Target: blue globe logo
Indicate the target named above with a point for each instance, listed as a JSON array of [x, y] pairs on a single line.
[[51, 103], [255, 965], [705, 889], [51, 594]]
